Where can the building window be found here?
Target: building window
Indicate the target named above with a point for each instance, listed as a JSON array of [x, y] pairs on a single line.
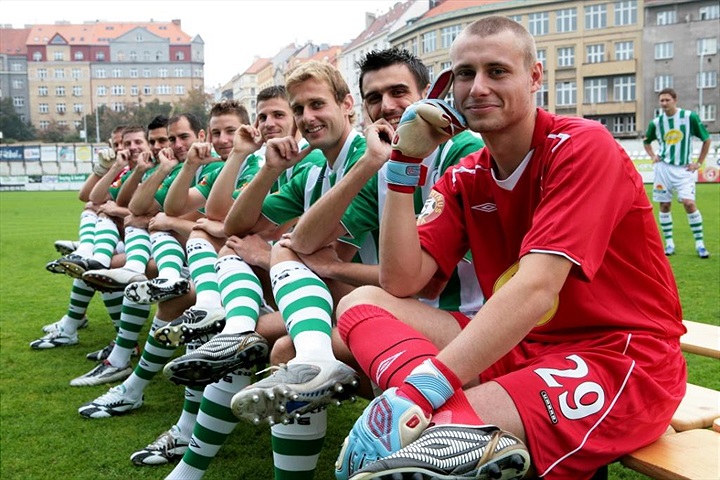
[[539, 23], [101, 90], [596, 53], [596, 90], [100, 73], [624, 88], [133, 73], [179, 72], [663, 81], [666, 17], [77, 107], [147, 90], [199, 71], [707, 79], [663, 50], [117, 73], [42, 91], [100, 56], [163, 89], [117, 90], [146, 56], [146, 73], [626, 12], [18, 101], [179, 89], [413, 50], [708, 113], [118, 106], [77, 91], [541, 96], [595, 17], [44, 124], [431, 73], [624, 124], [60, 108], [710, 12], [448, 35], [76, 73], [566, 93], [566, 20], [79, 56], [58, 56], [133, 56], [43, 108], [542, 58], [162, 72], [566, 56], [180, 56], [59, 73], [37, 56], [139, 37], [77, 123], [42, 73], [16, 67], [428, 42], [60, 91], [18, 84], [120, 56], [134, 90], [516, 18], [445, 66], [707, 46]]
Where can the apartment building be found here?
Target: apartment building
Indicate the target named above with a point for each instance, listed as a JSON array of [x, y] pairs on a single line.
[[74, 69], [13, 69], [681, 52]]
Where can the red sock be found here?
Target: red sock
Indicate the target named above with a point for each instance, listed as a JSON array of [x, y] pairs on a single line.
[[457, 410], [385, 348]]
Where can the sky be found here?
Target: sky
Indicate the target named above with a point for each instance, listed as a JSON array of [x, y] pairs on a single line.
[[234, 31]]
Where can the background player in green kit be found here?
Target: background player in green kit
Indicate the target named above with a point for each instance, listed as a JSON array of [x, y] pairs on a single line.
[[674, 171]]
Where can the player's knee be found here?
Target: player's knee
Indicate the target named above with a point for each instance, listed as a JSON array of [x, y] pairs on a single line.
[[361, 295]]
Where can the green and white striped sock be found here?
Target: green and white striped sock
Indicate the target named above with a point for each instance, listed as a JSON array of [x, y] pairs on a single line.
[[106, 239], [153, 359], [86, 233], [113, 303], [666, 227], [201, 257], [137, 249], [696, 227], [297, 446], [241, 294], [306, 307], [132, 318], [168, 254]]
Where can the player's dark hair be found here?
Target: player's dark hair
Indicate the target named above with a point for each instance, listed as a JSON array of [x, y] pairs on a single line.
[[668, 91], [378, 59], [159, 121], [276, 91], [230, 107], [195, 124]]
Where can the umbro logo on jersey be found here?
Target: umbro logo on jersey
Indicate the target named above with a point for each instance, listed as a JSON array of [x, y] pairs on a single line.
[[485, 207], [384, 365]]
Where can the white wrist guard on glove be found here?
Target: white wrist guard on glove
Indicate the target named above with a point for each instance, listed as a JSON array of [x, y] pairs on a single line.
[[106, 157]]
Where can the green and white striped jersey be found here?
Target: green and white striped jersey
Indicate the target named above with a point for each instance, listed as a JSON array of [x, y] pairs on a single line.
[[674, 135]]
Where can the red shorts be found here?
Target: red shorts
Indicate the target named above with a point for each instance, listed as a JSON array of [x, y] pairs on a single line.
[[586, 403]]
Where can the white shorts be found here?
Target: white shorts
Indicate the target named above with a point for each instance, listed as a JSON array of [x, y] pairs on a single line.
[[673, 178]]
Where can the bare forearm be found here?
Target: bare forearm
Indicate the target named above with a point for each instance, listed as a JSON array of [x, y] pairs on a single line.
[[177, 197], [401, 256], [86, 190], [247, 207], [220, 199], [128, 189], [142, 201]]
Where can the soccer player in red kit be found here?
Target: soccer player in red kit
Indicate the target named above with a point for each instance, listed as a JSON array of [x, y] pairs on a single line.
[[575, 359]]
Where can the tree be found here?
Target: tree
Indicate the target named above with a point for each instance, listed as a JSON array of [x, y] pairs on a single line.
[[11, 125], [196, 102]]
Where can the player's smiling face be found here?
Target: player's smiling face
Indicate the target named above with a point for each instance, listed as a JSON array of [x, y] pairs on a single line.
[[388, 92], [182, 137], [317, 114], [136, 143], [222, 131], [274, 118], [493, 87]]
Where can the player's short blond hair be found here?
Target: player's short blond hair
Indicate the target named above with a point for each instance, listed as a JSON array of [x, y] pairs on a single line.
[[322, 72]]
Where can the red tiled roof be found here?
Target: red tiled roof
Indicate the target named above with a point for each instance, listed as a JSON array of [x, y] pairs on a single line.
[[257, 65], [382, 23], [12, 41], [453, 5], [99, 33]]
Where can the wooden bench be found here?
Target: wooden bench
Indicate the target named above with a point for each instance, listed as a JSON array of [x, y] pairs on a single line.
[[694, 451]]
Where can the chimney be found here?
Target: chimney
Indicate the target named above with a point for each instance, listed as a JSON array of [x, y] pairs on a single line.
[[177, 22]]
